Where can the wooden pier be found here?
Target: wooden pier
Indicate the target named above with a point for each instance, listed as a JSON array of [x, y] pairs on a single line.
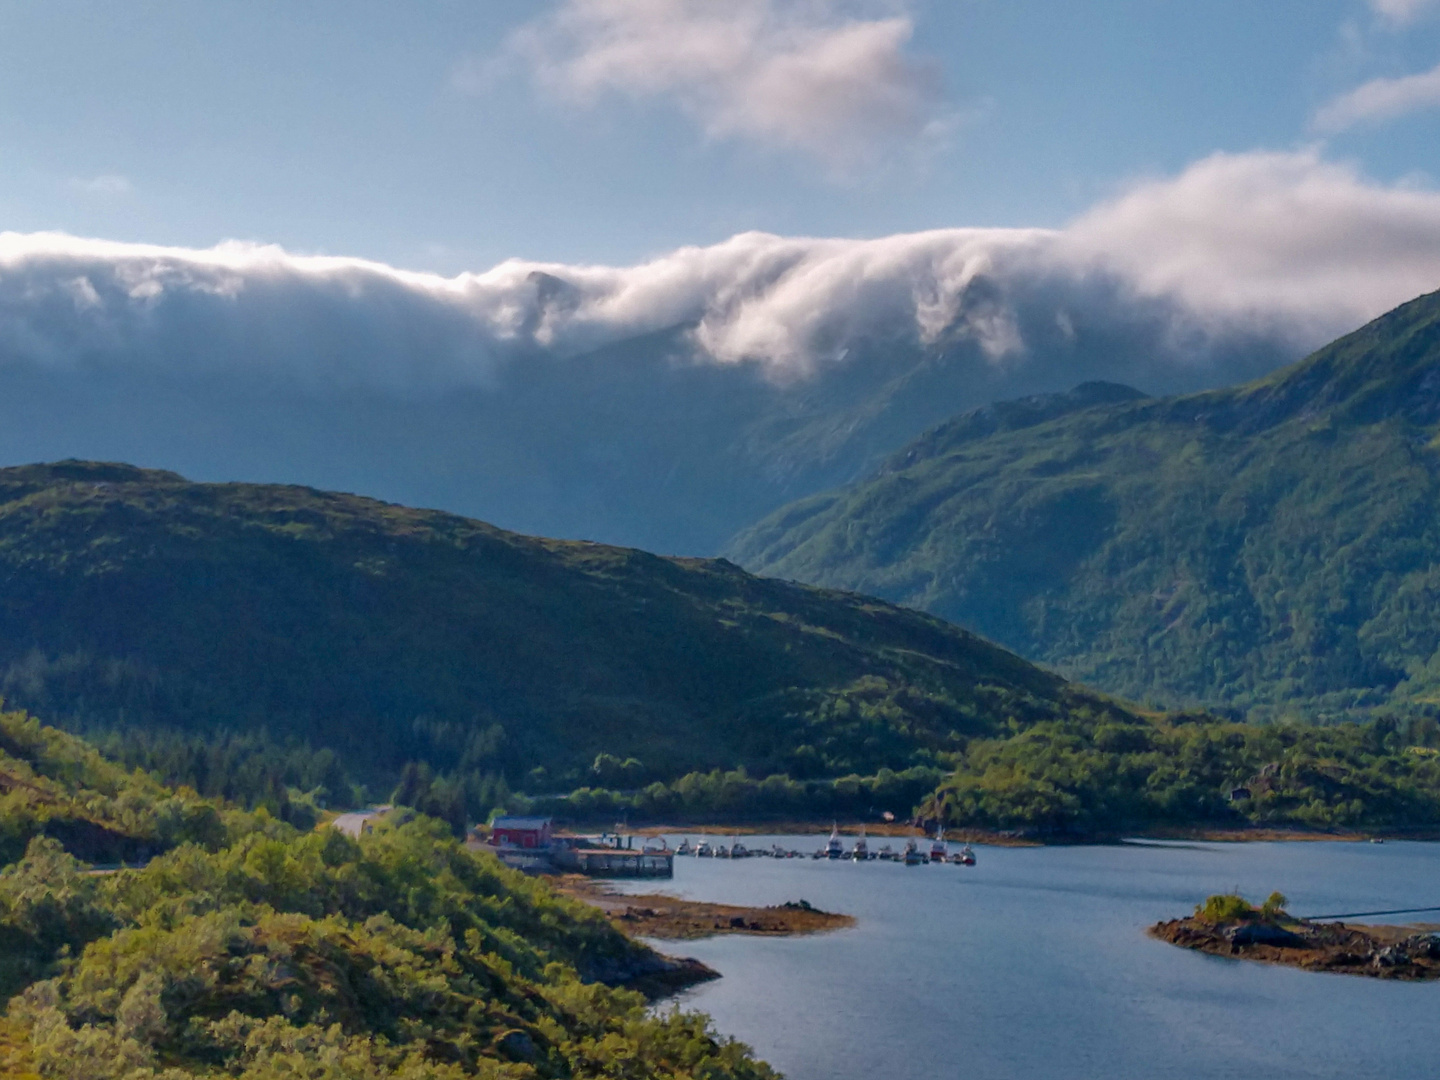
[[614, 862]]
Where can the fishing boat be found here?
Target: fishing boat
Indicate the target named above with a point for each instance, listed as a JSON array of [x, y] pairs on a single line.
[[834, 849], [886, 853], [964, 857], [685, 847], [704, 850], [939, 850], [778, 852], [861, 851], [913, 856], [739, 851]]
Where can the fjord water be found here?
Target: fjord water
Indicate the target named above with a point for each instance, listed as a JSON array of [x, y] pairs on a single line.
[[1035, 964]]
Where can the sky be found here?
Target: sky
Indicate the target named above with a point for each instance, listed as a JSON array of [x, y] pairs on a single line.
[[642, 270], [450, 136]]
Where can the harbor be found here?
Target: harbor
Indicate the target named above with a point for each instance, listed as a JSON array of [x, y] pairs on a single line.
[[534, 846], [916, 851]]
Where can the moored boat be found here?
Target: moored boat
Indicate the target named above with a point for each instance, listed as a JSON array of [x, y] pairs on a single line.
[[861, 851], [704, 850], [913, 856], [964, 857], [939, 850], [834, 849], [685, 848]]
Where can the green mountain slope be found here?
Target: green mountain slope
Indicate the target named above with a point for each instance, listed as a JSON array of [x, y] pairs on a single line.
[[137, 602], [1274, 547], [264, 952], [57, 786]]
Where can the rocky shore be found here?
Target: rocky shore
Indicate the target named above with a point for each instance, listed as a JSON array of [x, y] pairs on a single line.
[[655, 915], [1381, 952]]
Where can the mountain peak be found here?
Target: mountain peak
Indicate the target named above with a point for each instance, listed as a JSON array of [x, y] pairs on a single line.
[[1269, 547]]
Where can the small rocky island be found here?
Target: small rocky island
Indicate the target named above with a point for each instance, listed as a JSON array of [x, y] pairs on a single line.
[[1228, 925], [655, 915]]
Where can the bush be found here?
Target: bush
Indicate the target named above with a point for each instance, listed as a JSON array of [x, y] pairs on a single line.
[[1225, 907], [1274, 904]]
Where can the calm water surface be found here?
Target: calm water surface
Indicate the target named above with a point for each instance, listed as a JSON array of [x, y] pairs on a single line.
[[1035, 964]]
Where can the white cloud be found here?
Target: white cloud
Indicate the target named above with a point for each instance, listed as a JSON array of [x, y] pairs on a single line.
[[105, 184], [1380, 99], [802, 74], [1277, 243], [1287, 239], [1400, 11]]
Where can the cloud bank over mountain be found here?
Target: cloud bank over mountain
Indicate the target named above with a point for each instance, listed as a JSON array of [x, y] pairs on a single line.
[[1285, 243], [667, 403]]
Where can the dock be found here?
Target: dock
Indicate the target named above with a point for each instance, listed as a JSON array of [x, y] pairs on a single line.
[[613, 862]]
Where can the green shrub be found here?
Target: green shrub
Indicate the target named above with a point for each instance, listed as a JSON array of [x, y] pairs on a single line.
[[1225, 907]]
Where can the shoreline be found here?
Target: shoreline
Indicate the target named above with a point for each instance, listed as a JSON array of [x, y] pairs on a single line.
[[670, 918]]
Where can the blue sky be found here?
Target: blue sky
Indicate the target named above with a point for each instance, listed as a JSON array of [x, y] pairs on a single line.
[[450, 136]]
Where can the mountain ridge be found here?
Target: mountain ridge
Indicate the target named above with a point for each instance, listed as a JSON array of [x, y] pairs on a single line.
[[134, 600], [1113, 542]]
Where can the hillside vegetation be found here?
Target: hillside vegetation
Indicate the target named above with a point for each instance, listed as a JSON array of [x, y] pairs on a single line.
[[278, 643], [56, 786], [1271, 549], [261, 952]]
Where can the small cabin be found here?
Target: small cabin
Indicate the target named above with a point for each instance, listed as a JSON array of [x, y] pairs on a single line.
[[521, 832]]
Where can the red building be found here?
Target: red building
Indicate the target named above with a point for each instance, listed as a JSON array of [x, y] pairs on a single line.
[[521, 832]]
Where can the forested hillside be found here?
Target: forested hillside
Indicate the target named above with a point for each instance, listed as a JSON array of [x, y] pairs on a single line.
[[250, 639], [1272, 549], [253, 950]]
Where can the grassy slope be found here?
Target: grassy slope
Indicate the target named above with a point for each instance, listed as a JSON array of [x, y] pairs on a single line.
[[137, 599], [1273, 547]]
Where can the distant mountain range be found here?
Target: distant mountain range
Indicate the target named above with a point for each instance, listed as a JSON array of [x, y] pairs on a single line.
[[1273, 548], [137, 602]]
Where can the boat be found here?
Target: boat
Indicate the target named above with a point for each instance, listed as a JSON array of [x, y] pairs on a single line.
[[656, 845], [913, 856], [704, 850], [685, 847], [886, 853], [964, 857], [834, 849], [778, 852], [722, 851], [739, 851], [861, 851], [939, 849]]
